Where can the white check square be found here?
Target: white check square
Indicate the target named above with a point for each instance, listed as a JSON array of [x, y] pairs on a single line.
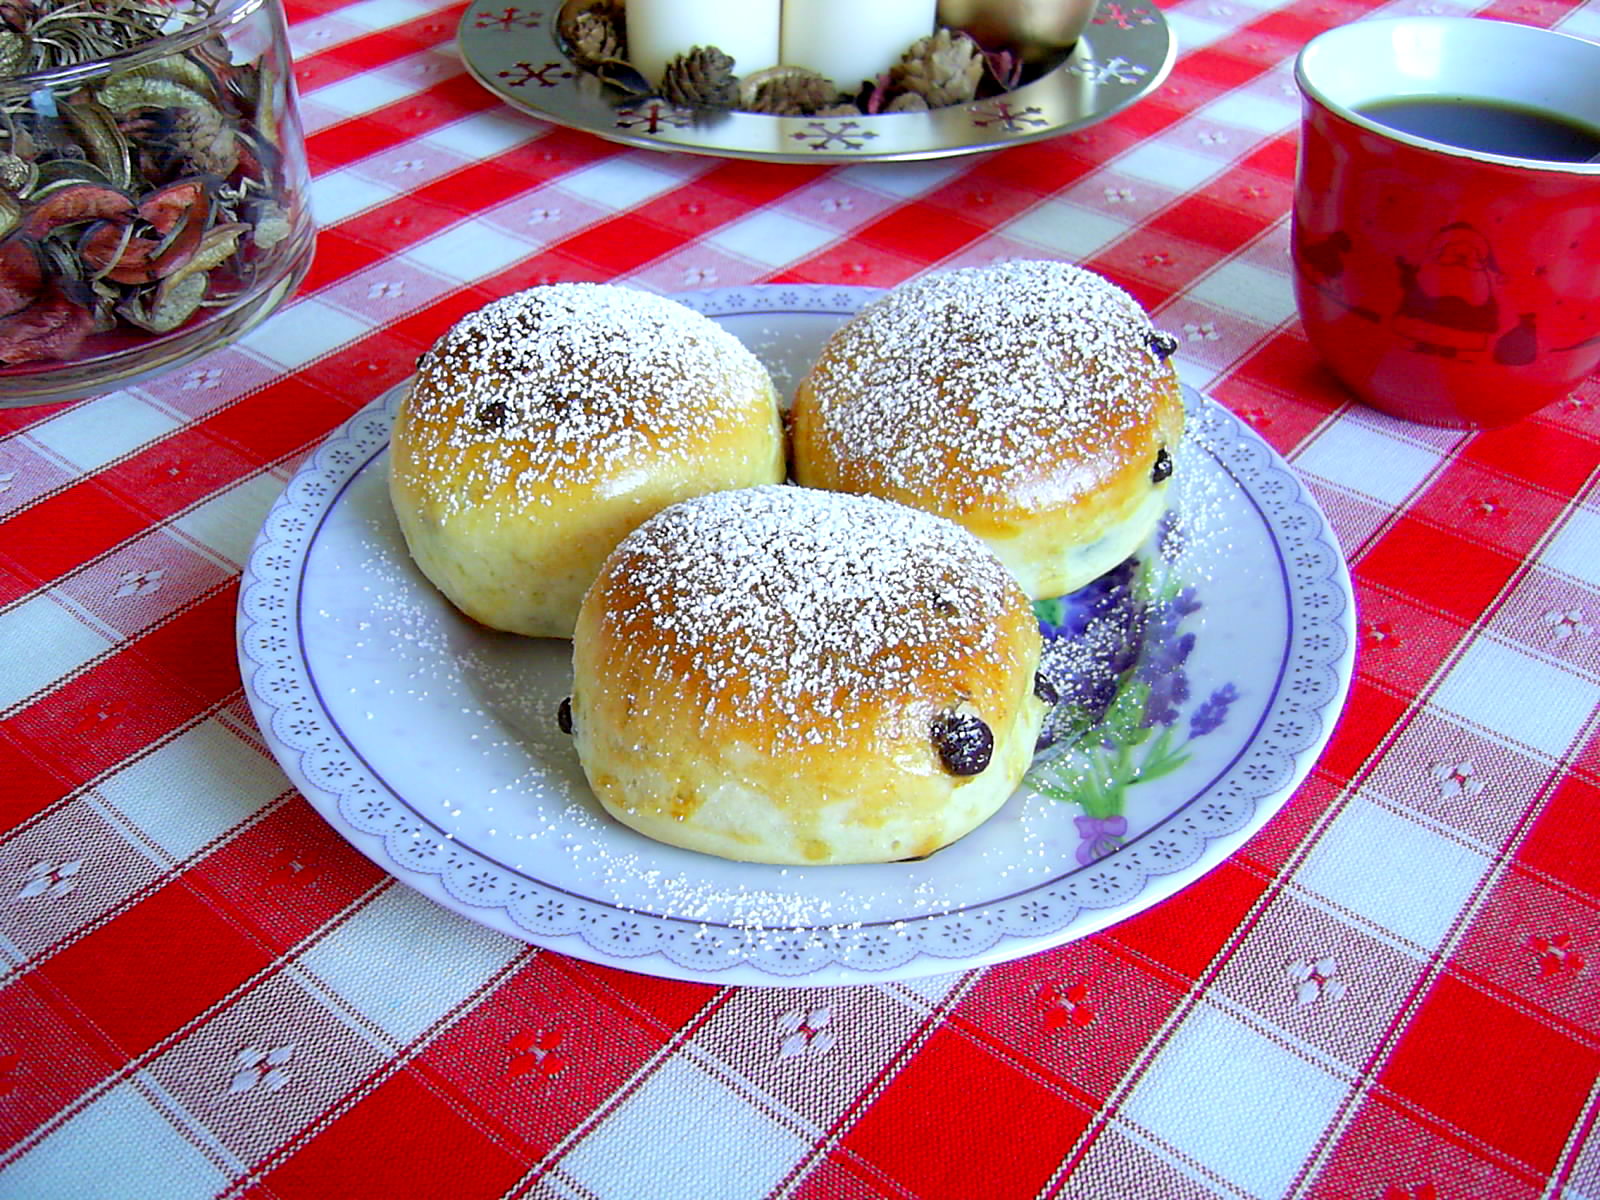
[[771, 238], [194, 788], [469, 251], [1397, 873], [339, 195], [1240, 1105], [1248, 290], [620, 183], [1362, 459], [483, 135], [901, 180], [404, 962], [1074, 233], [1164, 163], [1253, 109], [1575, 550], [118, 1146], [1513, 695], [364, 93], [41, 642], [88, 436], [648, 1148], [302, 333]]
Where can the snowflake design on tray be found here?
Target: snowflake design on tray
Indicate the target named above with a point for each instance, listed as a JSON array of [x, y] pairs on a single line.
[[1002, 115], [507, 19], [1124, 16], [652, 116], [1115, 652], [549, 75], [1114, 70], [846, 135]]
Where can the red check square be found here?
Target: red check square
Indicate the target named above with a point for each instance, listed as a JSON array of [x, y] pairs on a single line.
[[1527, 1084], [954, 1074]]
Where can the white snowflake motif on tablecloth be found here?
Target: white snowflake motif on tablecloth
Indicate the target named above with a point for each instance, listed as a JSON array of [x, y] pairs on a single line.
[[254, 1067], [202, 380], [407, 166], [806, 1032], [1457, 780], [50, 880], [1214, 137], [1202, 331], [7, 478], [1119, 195], [1566, 623], [543, 216], [386, 290], [139, 583], [833, 204], [699, 276], [1316, 980]]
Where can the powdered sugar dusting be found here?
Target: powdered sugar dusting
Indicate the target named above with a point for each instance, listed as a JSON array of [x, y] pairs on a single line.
[[576, 381], [805, 608], [995, 374]]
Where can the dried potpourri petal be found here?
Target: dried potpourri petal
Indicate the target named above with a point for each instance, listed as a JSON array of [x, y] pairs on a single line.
[[73, 203], [169, 306], [165, 207], [21, 274], [53, 327]]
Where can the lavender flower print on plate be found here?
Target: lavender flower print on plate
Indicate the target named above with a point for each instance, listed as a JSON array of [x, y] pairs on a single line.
[[1117, 652], [1199, 683]]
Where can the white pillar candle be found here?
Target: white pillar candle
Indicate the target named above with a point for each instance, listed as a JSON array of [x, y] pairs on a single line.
[[852, 40], [747, 31]]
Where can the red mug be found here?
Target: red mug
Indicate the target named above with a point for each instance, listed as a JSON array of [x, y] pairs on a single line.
[[1444, 283]]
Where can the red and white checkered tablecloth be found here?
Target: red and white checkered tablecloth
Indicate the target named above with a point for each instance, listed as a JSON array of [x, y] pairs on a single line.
[[1391, 993]]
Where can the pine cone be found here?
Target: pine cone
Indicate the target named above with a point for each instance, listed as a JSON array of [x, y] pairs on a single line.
[[702, 78], [943, 68], [786, 92], [596, 38]]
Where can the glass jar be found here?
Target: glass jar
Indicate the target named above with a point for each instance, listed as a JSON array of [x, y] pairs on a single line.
[[154, 202]]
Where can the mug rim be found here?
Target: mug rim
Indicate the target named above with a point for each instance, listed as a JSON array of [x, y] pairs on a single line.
[[1310, 91]]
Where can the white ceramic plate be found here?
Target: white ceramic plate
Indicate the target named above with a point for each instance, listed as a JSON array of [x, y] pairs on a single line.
[[431, 744], [1124, 55]]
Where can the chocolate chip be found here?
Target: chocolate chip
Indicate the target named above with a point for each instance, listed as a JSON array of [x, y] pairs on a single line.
[[493, 414], [1045, 690], [1162, 471], [564, 715], [1162, 344], [965, 744]]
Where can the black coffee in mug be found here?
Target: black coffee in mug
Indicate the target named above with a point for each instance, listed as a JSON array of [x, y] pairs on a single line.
[[1488, 126]]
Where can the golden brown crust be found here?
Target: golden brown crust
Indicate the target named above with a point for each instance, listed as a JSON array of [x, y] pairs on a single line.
[[758, 674], [1000, 397], [543, 427]]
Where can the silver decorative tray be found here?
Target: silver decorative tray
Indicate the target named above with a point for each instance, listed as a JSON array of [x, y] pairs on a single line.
[[514, 51]]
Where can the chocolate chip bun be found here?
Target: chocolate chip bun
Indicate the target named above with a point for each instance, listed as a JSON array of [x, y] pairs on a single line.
[[1031, 402], [783, 675], [544, 427]]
